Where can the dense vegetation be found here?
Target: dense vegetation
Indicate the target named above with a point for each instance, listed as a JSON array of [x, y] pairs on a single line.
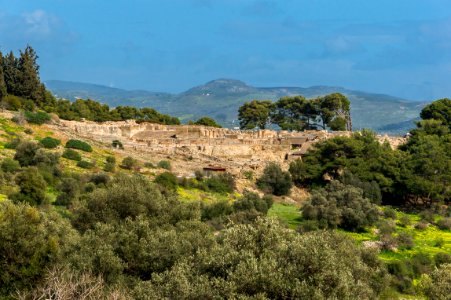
[[21, 89]]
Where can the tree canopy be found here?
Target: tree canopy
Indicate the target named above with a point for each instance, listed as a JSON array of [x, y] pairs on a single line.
[[298, 113]]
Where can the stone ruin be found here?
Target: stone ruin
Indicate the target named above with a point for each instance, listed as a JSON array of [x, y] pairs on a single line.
[[200, 146]]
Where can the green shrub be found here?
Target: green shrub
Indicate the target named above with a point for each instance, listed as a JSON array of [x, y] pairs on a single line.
[[129, 163], [32, 187], [252, 201], [167, 180], [26, 152], [221, 183], [111, 159], [39, 117], [164, 164], [71, 154], [109, 167], [10, 165], [85, 164], [274, 180], [80, 145], [390, 213], [49, 142], [341, 206], [442, 258]]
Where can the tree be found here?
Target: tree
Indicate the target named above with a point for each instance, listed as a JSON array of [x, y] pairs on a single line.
[[255, 114], [2, 80], [30, 84], [206, 121], [11, 73], [274, 180], [438, 110], [335, 112], [289, 113]]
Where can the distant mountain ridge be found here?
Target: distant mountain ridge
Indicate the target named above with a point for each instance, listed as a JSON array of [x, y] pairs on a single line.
[[221, 99]]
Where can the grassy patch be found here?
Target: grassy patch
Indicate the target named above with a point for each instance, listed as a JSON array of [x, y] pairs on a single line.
[[192, 195], [288, 213]]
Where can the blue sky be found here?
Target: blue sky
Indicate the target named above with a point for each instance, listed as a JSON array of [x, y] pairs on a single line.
[[398, 47]]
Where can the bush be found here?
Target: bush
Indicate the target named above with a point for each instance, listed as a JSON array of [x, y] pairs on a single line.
[[100, 179], [26, 152], [10, 165], [129, 163], [390, 213], [149, 165], [274, 180], [167, 180], [340, 206], [164, 164], [49, 142], [111, 159], [32, 187], [404, 221], [28, 131], [421, 225], [439, 285], [71, 154], [80, 145], [221, 183], [39, 117], [252, 201], [444, 224], [110, 164], [117, 144], [85, 164], [69, 189], [405, 240], [442, 258], [109, 167], [31, 241]]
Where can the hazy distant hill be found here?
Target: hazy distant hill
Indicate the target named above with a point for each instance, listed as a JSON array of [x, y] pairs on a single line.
[[221, 98]]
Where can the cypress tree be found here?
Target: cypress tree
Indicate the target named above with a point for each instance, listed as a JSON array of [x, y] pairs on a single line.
[[2, 79], [11, 73], [30, 84]]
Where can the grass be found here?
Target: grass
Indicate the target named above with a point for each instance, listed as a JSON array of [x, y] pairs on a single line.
[[288, 213]]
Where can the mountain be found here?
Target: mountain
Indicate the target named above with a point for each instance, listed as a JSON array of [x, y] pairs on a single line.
[[221, 99]]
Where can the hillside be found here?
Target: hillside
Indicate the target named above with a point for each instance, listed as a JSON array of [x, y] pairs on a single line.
[[221, 99]]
